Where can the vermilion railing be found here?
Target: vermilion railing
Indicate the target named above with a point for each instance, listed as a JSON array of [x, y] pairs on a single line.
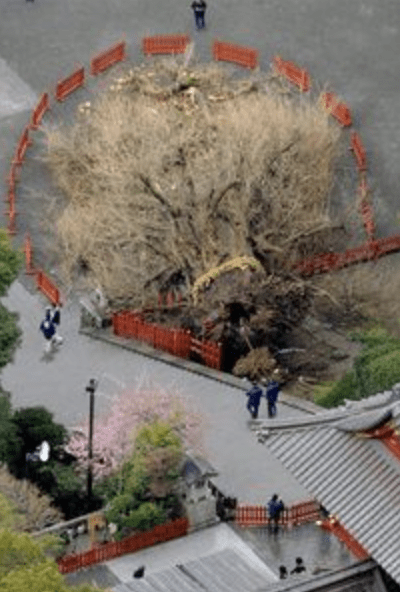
[[107, 551], [257, 515]]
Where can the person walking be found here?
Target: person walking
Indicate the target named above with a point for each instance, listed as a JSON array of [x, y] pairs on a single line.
[[275, 508], [199, 9], [254, 396], [48, 330], [56, 320], [203, 7], [271, 394]]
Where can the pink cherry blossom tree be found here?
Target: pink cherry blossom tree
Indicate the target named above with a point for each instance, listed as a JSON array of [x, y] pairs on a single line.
[[114, 432]]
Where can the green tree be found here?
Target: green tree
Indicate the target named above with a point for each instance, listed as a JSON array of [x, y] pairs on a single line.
[[8, 431], [376, 368], [10, 335], [145, 496], [25, 565], [33, 425], [10, 263]]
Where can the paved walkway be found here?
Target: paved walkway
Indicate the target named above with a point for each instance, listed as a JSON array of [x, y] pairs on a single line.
[[247, 470]]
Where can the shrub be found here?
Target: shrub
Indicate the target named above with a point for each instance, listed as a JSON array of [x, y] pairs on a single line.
[[145, 517], [383, 372], [343, 389], [375, 369]]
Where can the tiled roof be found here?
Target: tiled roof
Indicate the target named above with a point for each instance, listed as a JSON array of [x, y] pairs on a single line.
[[224, 571], [362, 577], [354, 477]]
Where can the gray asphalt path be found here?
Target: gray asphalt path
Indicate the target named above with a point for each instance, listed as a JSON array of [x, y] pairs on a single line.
[[352, 46], [247, 470]]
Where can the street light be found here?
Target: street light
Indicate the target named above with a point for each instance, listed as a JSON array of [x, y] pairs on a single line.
[[91, 389]]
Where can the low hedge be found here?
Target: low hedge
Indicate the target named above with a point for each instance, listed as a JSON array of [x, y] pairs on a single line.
[[376, 368]]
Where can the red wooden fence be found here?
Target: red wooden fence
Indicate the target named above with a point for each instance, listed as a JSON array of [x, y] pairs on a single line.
[[11, 213], [29, 269], [332, 261], [299, 513], [12, 177], [238, 54], [40, 109], [22, 146], [47, 287], [338, 110], [165, 44], [68, 85], [367, 214], [298, 76], [178, 342], [209, 351], [343, 535], [359, 152], [107, 58], [159, 534]]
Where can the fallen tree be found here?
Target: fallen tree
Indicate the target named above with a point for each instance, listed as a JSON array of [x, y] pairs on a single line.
[[173, 173]]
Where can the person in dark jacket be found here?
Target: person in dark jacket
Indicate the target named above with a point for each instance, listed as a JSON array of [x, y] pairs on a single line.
[[199, 9], [300, 567], [275, 508], [271, 394], [56, 320], [56, 315], [254, 396], [48, 330]]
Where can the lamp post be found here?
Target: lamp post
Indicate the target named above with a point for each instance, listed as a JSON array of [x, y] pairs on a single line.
[[91, 389]]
